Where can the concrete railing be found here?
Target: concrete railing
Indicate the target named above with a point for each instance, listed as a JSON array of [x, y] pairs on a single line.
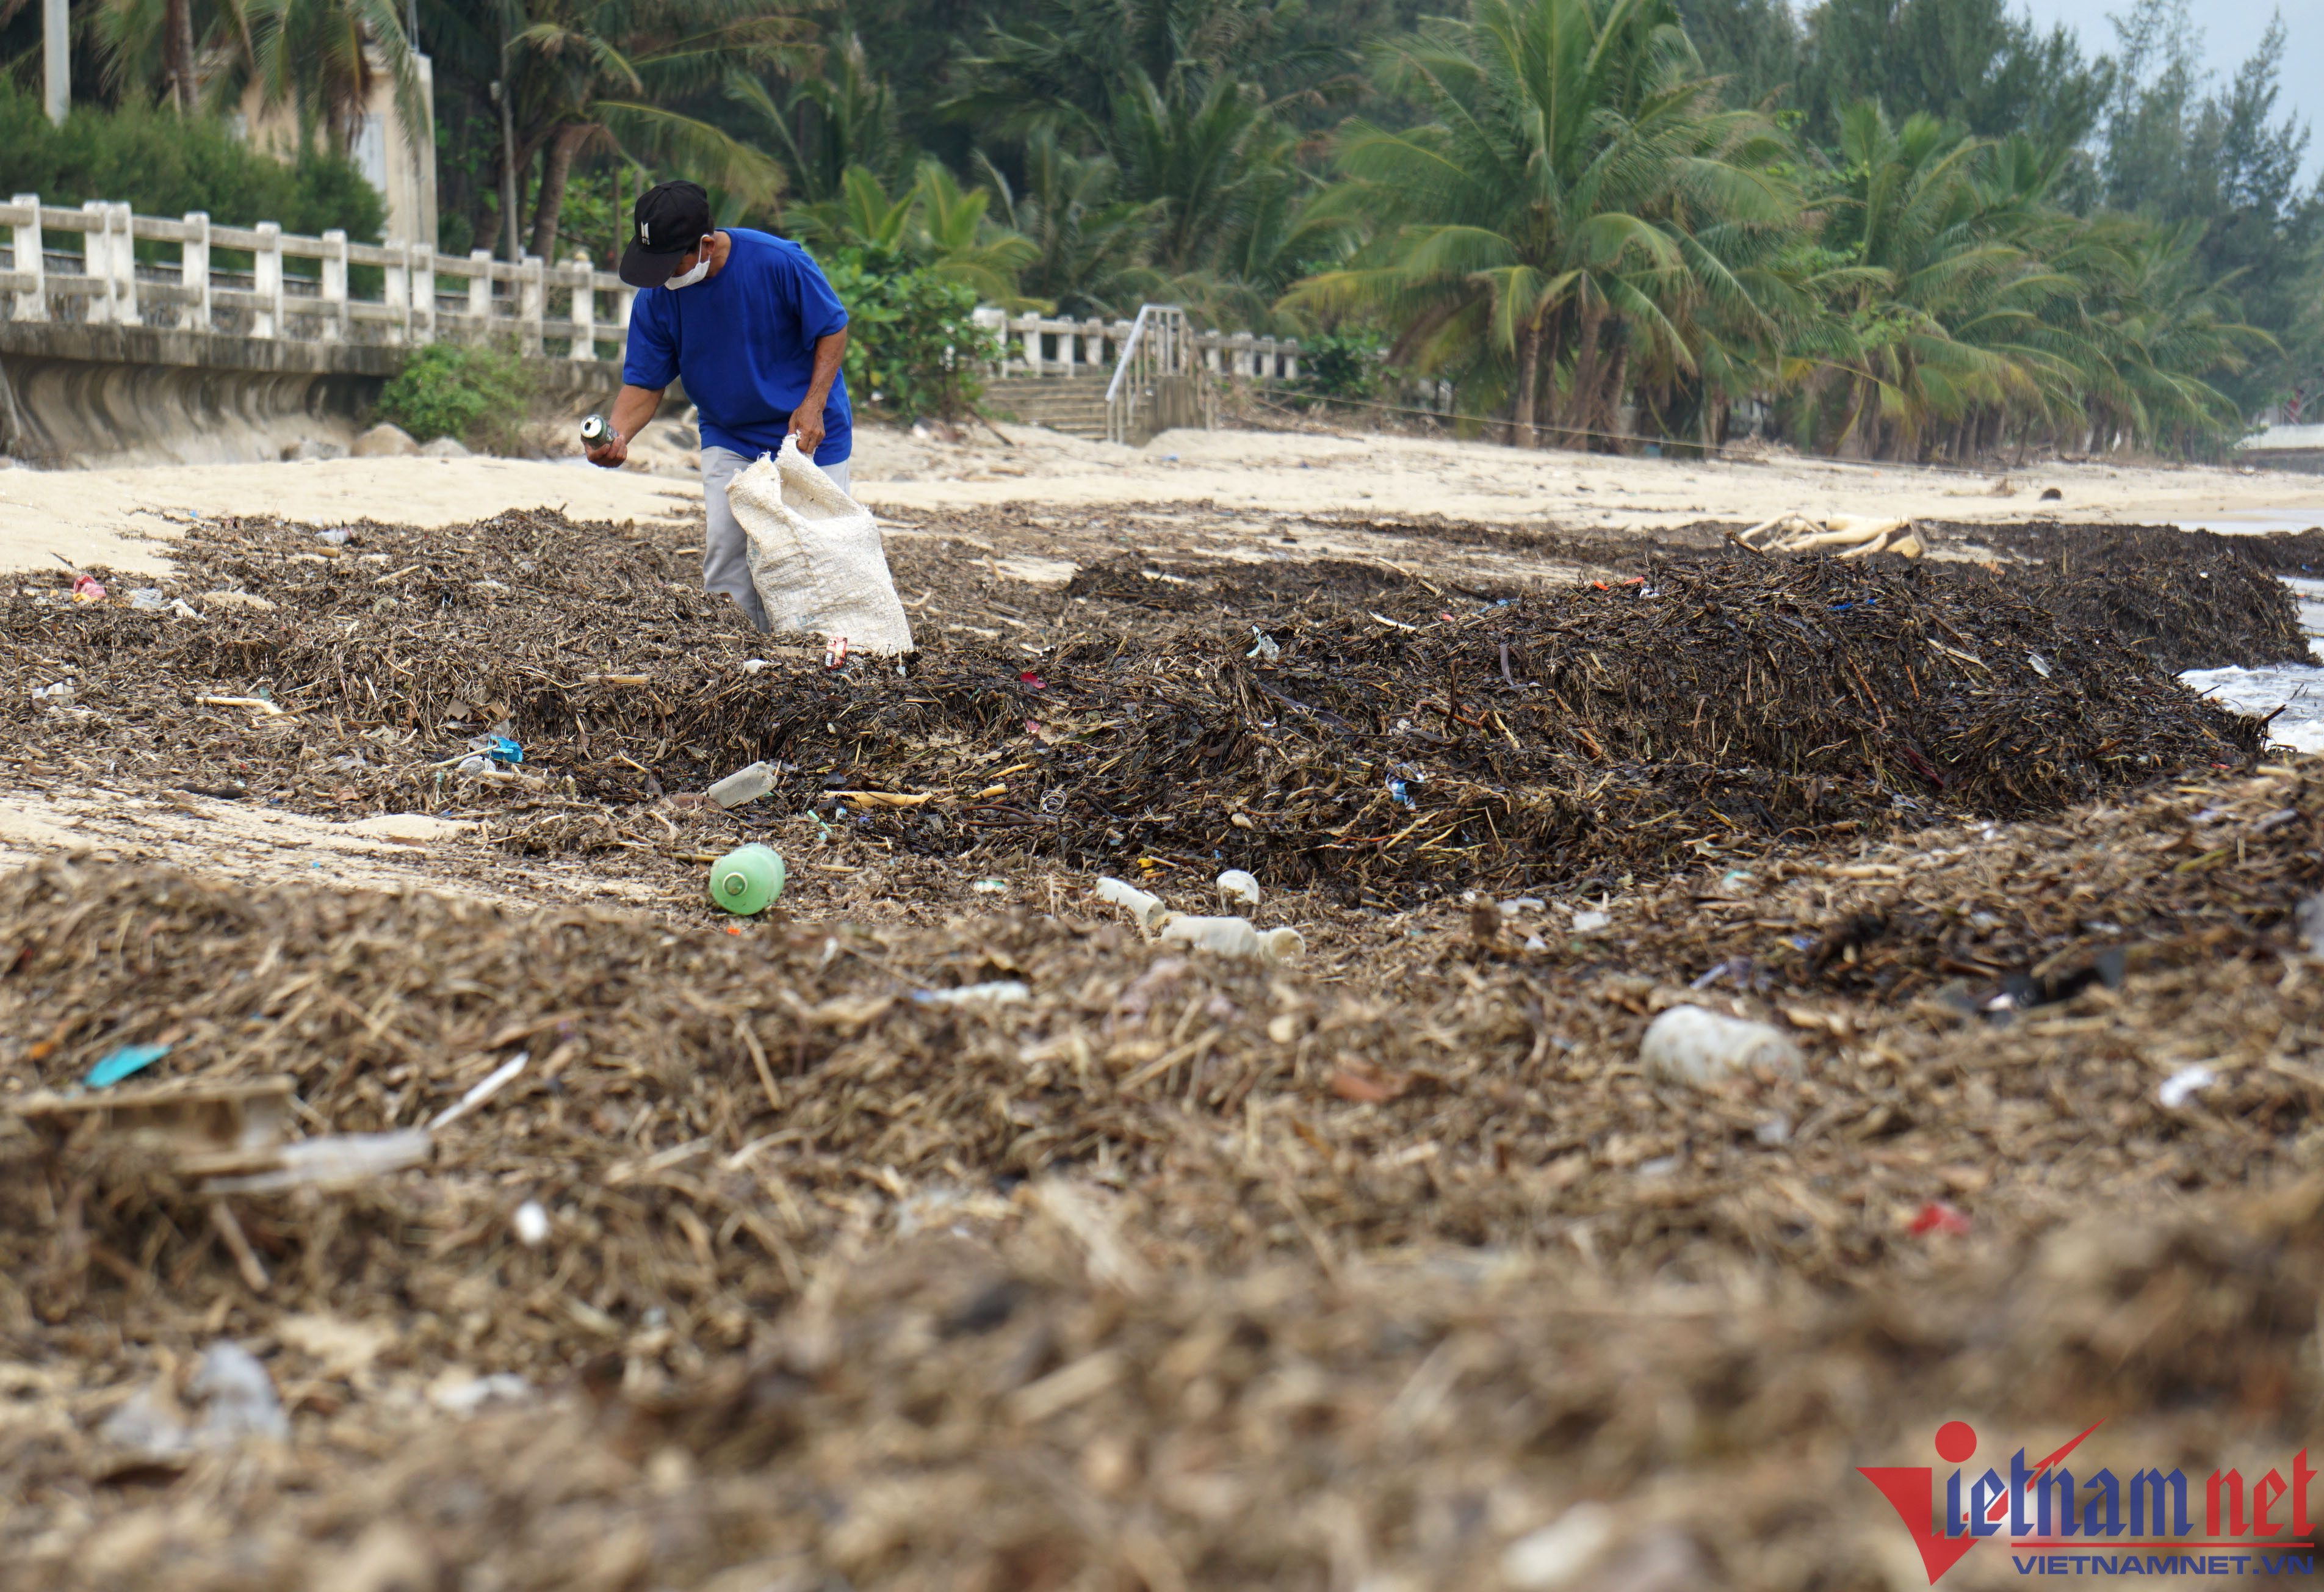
[[423, 296], [1043, 345]]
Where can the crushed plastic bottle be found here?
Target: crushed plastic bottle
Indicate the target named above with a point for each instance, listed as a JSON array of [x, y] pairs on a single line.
[[1139, 905], [336, 536], [1230, 937], [1693, 1045], [745, 784], [147, 598]]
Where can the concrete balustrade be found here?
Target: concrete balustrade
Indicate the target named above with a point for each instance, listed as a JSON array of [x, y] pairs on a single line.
[[297, 288], [1049, 345]]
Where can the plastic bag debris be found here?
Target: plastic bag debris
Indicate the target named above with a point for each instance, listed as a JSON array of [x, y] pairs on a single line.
[[456, 1394], [87, 588], [60, 695], [147, 598], [990, 886], [123, 1061], [343, 1158], [1239, 884], [1268, 650], [1558, 1553], [744, 784], [2182, 1086], [1693, 1045], [1591, 923], [237, 1398], [149, 1423], [1002, 991], [2311, 924]]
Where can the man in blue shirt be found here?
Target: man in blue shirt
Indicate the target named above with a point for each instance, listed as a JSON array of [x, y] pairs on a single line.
[[749, 322]]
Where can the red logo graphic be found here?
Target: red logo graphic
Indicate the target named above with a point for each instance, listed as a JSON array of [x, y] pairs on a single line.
[[1908, 1489]]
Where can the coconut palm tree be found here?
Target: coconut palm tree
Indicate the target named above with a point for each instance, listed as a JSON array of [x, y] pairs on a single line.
[[933, 224], [610, 74], [323, 59], [1090, 246], [1549, 216], [837, 118]]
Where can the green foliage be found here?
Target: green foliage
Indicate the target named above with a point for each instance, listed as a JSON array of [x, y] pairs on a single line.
[[1341, 365], [913, 348], [932, 225], [2216, 164], [1577, 178], [162, 164], [1958, 61], [478, 395]]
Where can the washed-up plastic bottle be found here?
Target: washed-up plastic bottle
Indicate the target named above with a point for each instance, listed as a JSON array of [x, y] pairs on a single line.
[[746, 784], [747, 880]]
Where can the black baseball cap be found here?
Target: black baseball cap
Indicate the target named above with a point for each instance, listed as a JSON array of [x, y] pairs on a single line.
[[671, 217]]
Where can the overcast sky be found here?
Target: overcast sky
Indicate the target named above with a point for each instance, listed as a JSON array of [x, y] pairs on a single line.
[[2231, 31]]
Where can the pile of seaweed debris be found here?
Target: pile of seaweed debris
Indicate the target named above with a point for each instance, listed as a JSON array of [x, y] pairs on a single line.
[[1338, 722]]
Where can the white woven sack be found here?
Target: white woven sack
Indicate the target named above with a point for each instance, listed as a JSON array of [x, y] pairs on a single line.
[[814, 554]]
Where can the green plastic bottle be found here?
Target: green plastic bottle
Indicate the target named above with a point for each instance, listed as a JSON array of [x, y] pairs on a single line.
[[747, 880]]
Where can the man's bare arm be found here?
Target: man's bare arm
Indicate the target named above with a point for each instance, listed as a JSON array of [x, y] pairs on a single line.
[[807, 419]]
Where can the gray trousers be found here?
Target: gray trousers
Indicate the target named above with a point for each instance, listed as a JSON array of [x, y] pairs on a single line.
[[725, 561]]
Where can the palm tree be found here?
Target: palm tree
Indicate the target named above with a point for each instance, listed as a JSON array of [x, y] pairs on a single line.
[[933, 224], [607, 74], [838, 118], [317, 58], [322, 59], [1208, 159], [1089, 245], [1549, 216]]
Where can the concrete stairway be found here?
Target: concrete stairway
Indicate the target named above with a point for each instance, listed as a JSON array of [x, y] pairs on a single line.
[[1074, 404]]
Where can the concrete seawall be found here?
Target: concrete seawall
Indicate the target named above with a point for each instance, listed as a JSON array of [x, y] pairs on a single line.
[[75, 396]]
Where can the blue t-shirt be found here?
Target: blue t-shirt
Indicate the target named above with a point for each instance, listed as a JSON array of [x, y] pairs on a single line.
[[744, 340]]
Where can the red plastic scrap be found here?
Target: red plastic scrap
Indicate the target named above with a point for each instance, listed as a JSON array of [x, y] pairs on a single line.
[[1938, 1215]]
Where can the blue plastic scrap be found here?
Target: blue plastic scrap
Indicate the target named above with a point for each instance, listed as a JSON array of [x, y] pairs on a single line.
[[123, 1061], [503, 750]]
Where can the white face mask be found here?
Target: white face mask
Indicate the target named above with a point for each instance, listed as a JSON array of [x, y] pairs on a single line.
[[701, 269]]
